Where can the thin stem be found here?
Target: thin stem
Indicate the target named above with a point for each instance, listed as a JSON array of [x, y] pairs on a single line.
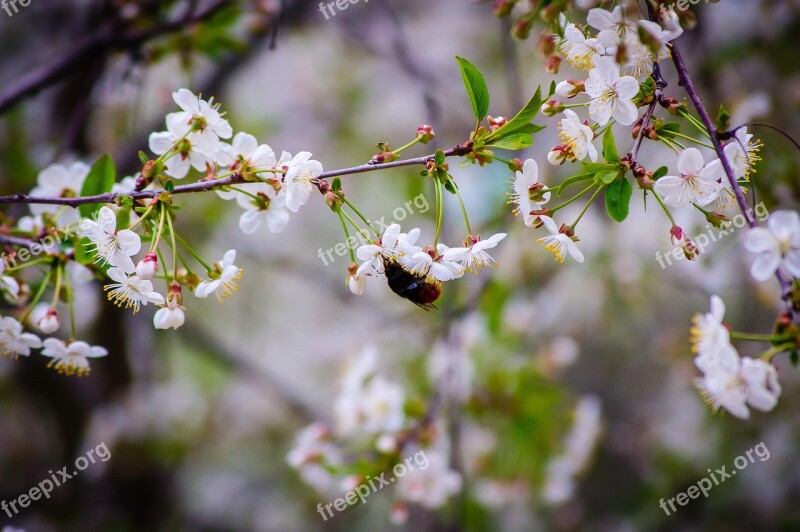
[[192, 253], [157, 239], [174, 247], [38, 295], [586, 207], [463, 211], [758, 337], [437, 183], [346, 235], [407, 146], [664, 207], [358, 213], [573, 198], [767, 356], [57, 291]]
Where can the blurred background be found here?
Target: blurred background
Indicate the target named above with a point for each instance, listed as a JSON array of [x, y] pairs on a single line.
[[199, 421]]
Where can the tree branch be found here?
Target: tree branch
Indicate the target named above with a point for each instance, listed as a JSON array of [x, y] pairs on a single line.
[[107, 38], [205, 186], [686, 83]]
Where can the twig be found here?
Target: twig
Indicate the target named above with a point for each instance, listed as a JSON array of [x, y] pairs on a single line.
[[107, 38], [686, 83], [205, 186]]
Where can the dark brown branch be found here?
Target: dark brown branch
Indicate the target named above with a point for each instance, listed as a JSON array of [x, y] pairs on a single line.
[[106, 39], [205, 186]]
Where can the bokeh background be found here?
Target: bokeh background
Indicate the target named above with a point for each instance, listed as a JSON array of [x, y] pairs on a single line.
[[199, 421]]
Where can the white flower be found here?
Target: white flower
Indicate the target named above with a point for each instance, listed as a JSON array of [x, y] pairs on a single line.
[[743, 153], [422, 263], [171, 316], [559, 243], [71, 359], [248, 157], [432, 484], [48, 322], [357, 284], [611, 94], [707, 332], [189, 151], [8, 285], [131, 291], [59, 181], [697, 183], [376, 407], [302, 169], [526, 184], [113, 247], [148, 266], [13, 341], [578, 137], [581, 52], [613, 26], [391, 244], [267, 207], [201, 116], [734, 383], [223, 281], [474, 257], [777, 245]]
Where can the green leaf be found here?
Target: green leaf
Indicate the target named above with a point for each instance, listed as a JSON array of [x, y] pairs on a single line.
[[597, 167], [618, 199], [514, 141], [337, 185], [572, 180], [521, 119], [142, 156], [82, 253], [476, 87], [610, 147], [100, 180], [606, 177], [169, 186], [439, 157], [661, 172]]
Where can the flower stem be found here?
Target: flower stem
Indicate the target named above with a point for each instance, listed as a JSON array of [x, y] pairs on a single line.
[[192, 253], [437, 183], [346, 235], [38, 295], [174, 248], [586, 207]]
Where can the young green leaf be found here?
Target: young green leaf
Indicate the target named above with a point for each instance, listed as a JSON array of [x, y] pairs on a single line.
[[661, 172], [514, 141], [572, 180], [606, 177], [476, 87], [100, 180], [336, 186], [521, 119], [618, 199], [610, 147]]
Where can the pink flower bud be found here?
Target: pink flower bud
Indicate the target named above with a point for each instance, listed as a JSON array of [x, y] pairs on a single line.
[[147, 267], [50, 322]]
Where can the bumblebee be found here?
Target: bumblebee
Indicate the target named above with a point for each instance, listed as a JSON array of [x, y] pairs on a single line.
[[422, 290]]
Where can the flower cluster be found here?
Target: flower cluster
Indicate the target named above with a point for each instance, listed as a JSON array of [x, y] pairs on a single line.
[[430, 264], [730, 381]]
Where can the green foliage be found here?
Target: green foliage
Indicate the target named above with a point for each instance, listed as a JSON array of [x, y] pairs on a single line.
[[476, 87], [618, 199], [100, 180]]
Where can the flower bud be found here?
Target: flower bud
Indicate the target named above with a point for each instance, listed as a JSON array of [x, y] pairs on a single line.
[[547, 44], [522, 28], [569, 88], [502, 8], [557, 155], [50, 322], [552, 107], [425, 133], [720, 221], [496, 123], [148, 266], [553, 64]]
